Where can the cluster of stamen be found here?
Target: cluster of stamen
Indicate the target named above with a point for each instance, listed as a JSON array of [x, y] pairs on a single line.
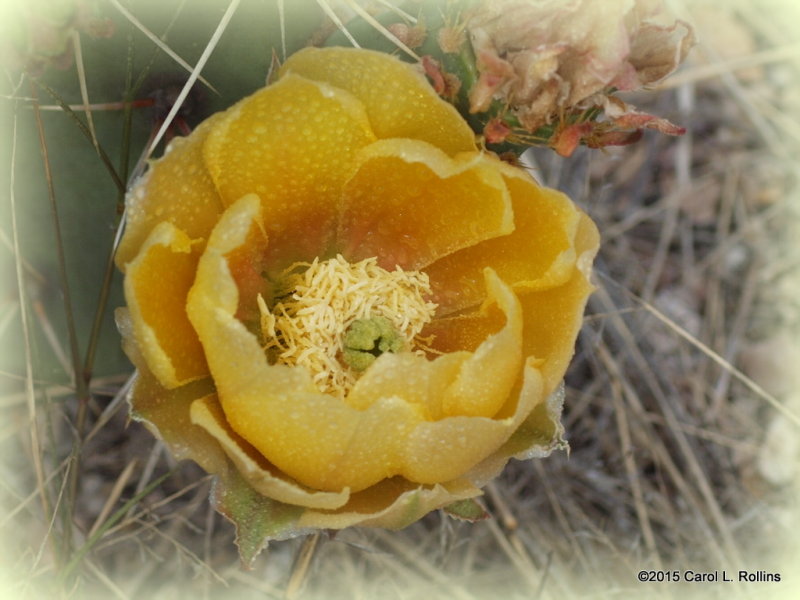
[[327, 312]]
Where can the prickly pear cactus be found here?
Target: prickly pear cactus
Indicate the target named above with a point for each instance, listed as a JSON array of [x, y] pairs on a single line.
[[128, 63]]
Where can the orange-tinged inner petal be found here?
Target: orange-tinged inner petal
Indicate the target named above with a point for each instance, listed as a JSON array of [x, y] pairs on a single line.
[[463, 332], [486, 378], [176, 189], [445, 449], [409, 204], [248, 265], [399, 100], [156, 287], [538, 254], [551, 317], [292, 144]]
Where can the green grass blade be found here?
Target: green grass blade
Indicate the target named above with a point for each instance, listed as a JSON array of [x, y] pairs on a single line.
[[81, 552]]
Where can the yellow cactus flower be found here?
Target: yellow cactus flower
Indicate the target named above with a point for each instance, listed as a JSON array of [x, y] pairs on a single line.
[[341, 306]]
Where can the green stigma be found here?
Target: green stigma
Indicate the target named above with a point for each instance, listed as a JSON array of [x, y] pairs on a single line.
[[367, 339]]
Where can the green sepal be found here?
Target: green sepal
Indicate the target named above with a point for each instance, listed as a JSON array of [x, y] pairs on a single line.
[[257, 518], [541, 432], [466, 510]]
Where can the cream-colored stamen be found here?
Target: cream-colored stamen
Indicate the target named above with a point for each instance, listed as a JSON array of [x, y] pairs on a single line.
[[308, 325]]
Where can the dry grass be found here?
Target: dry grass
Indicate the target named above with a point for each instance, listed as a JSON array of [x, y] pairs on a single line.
[[682, 401]]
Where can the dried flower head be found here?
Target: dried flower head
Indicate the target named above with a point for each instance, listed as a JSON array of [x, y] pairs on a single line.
[[550, 62]]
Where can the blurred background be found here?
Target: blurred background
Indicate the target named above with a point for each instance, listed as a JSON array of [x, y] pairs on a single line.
[[682, 402]]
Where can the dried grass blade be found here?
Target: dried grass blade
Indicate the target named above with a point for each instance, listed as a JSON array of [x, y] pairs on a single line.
[[421, 566], [282, 19], [790, 52], [78, 379], [85, 130], [102, 303], [76, 44], [29, 269], [115, 590], [302, 566], [522, 562], [561, 516], [77, 557], [29, 498], [50, 335], [626, 451], [323, 4], [6, 318], [68, 465], [158, 42], [29, 393], [96, 106], [736, 373], [108, 274], [114, 495], [398, 11], [112, 408], [195, 73]]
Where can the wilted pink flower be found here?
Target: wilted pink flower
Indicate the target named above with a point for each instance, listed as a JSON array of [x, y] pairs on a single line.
[[546, 58]]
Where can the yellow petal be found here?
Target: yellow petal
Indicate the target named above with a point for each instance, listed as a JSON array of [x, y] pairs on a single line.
[[539, 433], [166, 411], [265, 478], [486, 377], [538, 254], [392, 504], [292, 144], [554, 317], [414, 378], [463, 332], [551, 317], [177, 189], [446, 449], [409, 204], [156, 286], [398, 99]]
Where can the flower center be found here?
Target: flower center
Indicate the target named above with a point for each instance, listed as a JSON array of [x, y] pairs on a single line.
[[334, 318]]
